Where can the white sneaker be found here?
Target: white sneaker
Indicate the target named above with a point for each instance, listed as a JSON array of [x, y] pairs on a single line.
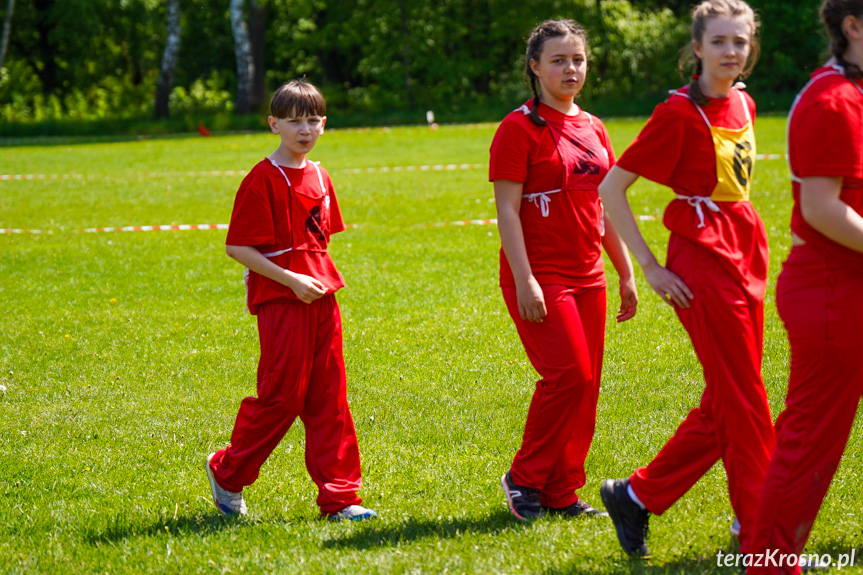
[[735, 528], [353, 513], [227, 502]]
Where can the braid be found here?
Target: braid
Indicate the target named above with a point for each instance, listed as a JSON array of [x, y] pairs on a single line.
[[695, 92], [534, 113], [833, 12]]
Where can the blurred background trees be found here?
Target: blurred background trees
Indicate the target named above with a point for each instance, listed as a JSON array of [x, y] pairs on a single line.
[[374, 59]]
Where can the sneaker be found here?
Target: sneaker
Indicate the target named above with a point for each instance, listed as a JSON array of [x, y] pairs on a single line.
[[735, 533], [630, 521], [578, 509], [227, 502], [523, 501], [353, 513], [807, 566]]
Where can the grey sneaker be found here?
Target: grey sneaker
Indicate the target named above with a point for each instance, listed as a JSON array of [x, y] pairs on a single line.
[[580, 508], [353, 513], [630, 521], [227, 502], [735, 533], [523, 501]]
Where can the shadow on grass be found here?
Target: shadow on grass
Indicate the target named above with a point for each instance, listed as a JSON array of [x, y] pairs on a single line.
[[377, 534], [121, 527]]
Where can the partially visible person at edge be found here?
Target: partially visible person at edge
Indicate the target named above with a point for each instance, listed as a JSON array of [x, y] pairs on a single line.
[[547, 159], [284, 214], [818, 293], [701, 143]]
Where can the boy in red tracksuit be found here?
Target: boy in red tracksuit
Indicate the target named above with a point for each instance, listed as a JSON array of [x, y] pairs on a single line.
[[284, 214], [701, 144], [818, 296]]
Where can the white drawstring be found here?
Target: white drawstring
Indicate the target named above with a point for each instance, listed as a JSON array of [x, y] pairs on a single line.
[[540, 200], [696, 201]]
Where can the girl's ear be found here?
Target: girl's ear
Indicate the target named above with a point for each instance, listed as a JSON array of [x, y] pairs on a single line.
[[697, 49], [852, 27], [534, 65], [271, 120], [321, 127]]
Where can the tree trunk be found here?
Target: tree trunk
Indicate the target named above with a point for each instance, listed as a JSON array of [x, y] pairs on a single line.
[[243, 51], [7, 25], [257, 36], [169, 59]]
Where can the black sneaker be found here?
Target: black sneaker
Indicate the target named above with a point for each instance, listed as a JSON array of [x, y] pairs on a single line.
[[630, 520], [523, 501], [578, 509]]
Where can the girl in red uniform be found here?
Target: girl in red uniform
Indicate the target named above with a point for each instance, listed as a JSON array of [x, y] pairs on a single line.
[[700, 143], [818, 292], [547, 158]]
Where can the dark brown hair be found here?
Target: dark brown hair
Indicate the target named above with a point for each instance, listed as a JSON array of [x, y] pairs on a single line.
[[297, 98], [833, 13], [535, 44], [700, 16]]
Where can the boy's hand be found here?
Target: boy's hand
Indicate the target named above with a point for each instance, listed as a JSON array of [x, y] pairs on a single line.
[[306, 288]]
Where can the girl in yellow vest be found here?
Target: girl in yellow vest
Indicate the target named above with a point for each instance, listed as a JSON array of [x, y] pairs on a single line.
[[701, 144]]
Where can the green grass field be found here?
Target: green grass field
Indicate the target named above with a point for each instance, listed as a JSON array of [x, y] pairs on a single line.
[[125, 356]]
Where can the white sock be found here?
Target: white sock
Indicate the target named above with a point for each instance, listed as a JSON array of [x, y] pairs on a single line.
[[634, 497]]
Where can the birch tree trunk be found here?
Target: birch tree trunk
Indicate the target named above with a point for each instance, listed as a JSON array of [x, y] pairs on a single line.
[[243, 51], [169, 59], [257, 37], [7, 26]]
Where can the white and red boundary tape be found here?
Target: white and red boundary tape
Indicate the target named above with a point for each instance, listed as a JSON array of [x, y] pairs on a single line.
[[185, 227], [165, 228], [223, 173]]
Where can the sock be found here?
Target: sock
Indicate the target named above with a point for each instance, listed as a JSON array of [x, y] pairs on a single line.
[[634, 497]]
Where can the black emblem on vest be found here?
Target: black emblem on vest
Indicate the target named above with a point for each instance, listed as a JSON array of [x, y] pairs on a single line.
[[313, 224]]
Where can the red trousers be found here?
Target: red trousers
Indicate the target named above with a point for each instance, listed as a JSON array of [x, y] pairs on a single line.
[[566, 350], [301, 373], [732, 422], [820, 303]]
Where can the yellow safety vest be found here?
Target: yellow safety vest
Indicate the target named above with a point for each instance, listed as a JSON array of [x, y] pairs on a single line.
[[735, 156]]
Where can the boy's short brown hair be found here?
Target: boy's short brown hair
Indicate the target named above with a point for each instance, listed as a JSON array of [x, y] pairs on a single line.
[[297, 98]]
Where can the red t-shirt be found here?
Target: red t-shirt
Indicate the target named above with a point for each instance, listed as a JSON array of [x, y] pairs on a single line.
[[675, 149], [290, 224], [825, 139], [560, 166]]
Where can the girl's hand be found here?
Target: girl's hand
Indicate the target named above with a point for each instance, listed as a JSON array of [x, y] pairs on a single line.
[[628, 299], [668, 285], [306, 288], [531, 301]]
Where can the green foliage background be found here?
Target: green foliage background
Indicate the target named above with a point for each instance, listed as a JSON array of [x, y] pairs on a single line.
[[376, 60]]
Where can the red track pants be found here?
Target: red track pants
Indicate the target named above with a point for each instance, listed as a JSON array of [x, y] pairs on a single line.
[[301, 373], [820, 303], [566, 350], [732, 422]]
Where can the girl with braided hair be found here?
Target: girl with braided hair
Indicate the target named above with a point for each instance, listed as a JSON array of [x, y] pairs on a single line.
[[547, 159], [700, 142], [818, 291]]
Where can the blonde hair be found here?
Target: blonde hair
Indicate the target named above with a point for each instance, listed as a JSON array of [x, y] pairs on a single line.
[[701, 14]]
